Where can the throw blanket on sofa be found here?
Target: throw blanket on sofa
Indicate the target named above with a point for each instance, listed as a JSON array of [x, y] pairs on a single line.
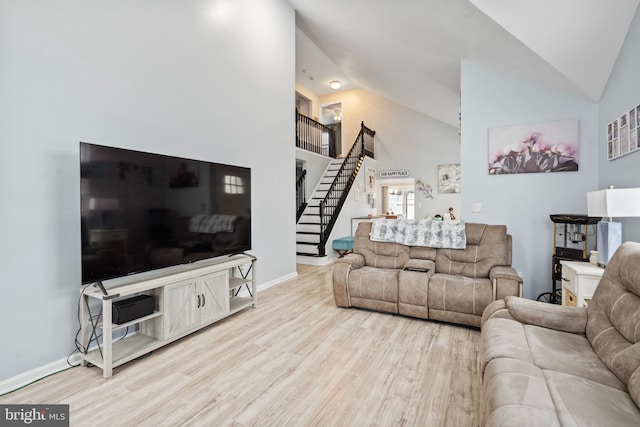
[[212, 223], [423, 232]]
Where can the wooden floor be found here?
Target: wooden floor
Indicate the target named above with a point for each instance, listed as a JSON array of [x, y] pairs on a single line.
[[296, 360]]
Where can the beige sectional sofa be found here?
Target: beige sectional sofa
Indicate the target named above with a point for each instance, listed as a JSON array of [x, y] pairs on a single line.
[[550, 365], [452, 285]]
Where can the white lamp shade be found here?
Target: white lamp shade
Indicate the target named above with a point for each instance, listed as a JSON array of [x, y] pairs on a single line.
[[614, 202]]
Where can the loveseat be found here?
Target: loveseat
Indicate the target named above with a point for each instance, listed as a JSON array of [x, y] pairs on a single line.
[[452, 285], [550, 365]]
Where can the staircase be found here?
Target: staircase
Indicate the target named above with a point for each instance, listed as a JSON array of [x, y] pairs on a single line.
[[319, 216], [308, 229]]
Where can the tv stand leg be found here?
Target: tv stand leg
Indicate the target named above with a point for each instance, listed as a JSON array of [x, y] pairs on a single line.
[[107, 338], [84, 327]]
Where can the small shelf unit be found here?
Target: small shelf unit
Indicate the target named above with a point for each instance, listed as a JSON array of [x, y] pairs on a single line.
[[187, 298]]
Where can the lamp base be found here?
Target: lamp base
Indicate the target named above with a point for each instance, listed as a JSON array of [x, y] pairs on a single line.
[[609, 239]]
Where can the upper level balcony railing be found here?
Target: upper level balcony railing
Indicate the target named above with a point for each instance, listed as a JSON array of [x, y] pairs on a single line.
[[314, 136]]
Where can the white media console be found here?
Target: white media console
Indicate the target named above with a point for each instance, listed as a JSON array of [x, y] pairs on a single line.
[[187, 298]]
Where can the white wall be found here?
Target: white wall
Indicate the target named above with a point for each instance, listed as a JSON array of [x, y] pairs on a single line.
[[172, 77], [405, 139], [315, 165], [621, 94], [523, 202], [304, 91]]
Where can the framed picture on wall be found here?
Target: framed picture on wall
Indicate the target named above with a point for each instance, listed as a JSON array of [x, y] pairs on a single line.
[[535, 148], [370, 180], [623, 134], [449, 178]]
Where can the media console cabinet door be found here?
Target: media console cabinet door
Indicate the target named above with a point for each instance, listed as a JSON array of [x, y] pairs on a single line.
[[214, 292], [181, 312], [195, 302]]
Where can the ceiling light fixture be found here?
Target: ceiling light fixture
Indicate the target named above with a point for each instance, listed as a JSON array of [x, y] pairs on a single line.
[[335, 84]]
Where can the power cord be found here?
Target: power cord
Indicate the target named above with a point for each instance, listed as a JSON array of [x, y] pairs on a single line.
[[94, 337]]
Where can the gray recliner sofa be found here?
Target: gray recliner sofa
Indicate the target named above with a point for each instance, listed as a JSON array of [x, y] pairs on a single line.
[[550, 365], [452, 285]]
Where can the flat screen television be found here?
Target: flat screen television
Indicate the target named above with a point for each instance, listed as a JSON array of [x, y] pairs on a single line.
[[143, 211]]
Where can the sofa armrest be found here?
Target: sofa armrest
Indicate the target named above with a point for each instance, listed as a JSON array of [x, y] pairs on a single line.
[[561, 318], [354, 260], [506, 281], [422, 265], [341, 269], [496, 309]]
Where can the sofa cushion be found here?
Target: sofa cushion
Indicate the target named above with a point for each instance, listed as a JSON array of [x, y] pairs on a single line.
[[459, 294], [503, 338], [378, 254], [568, 353], [374, 283], [545, 349], [487, 246], [517, 395], [582, 402]]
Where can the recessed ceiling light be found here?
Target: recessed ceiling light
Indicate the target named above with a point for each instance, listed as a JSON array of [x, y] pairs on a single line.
[[335, 84]]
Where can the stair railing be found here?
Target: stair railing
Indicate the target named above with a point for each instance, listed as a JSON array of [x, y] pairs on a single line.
[[301, 194], [314, 136], [332, 203]]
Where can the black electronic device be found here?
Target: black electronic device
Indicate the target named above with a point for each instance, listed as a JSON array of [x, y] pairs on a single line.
[[142, 211], [132, 308]]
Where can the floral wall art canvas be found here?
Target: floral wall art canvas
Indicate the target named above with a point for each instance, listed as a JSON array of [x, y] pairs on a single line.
[[448, 178], [534, 148]]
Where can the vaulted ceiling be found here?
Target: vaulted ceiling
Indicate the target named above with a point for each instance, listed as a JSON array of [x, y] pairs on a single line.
[[409, 51]]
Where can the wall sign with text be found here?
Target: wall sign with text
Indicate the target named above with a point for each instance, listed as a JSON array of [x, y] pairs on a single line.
[[399, 173]]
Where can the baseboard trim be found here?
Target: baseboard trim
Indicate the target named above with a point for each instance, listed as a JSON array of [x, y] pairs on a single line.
[[310, 260], [269, 284], [26, 378]]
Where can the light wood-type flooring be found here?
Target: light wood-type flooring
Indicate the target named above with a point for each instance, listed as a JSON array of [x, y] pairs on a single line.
[[295, 360]]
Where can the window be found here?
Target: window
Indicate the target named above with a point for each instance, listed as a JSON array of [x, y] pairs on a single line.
[[233, 184]]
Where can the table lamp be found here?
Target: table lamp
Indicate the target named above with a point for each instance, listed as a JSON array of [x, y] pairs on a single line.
[[609, 203]]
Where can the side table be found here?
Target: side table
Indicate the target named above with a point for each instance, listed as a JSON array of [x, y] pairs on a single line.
[[579, 282]]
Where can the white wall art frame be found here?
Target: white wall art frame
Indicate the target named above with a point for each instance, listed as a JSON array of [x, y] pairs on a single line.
[[623, 134]]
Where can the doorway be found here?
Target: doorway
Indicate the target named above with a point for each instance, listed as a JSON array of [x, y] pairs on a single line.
[[331, 117], [398, 198], [303, 104]]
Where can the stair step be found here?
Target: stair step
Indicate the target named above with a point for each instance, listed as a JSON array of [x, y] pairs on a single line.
[[306, 254], [307, 239], [307, 249], [309, 222], [308, 228]]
